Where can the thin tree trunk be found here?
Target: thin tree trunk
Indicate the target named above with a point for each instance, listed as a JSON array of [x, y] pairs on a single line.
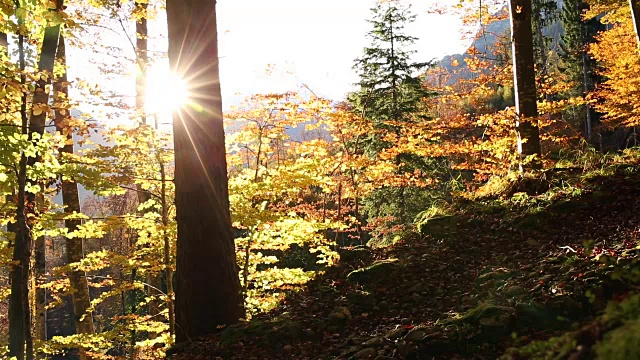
[[19, 312], [525, 83], [585, 88], [154, 280], [142, 60], [4, 43], [80, 297], [37, 122], [208, 291], [167, 249]]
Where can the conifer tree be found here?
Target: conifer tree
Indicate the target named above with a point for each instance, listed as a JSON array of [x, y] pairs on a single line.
[[544, 14], [390, 97], [389, 89], [578, 34]]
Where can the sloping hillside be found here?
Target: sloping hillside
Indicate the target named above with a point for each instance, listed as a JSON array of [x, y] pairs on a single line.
[[498, 274]]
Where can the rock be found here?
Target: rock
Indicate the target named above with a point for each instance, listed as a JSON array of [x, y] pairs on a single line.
[[382, 357], [361, 299], [438, 227], [418, 333], [536, 316], [514, 291], [356, 253], [351, 350], [497, 274], [564, 305], [377, 272], [339, 315], [374, 341], [395, 333], [383, 304], [404, 349], [417, 288], [416, 298], [368, 353]]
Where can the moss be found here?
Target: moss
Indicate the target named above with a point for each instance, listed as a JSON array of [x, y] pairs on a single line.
[[624, 311], [438, 227], [621, 344], [555, 348], [378, 271]]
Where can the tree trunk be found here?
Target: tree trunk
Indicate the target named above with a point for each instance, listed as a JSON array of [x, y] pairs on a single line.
[[154, 280], [168, 267], [37, 122], [80, 298], [142, 60], [588, 126], [635, 14], [524, 80], [207, 285], [4, 43], [19, 311]]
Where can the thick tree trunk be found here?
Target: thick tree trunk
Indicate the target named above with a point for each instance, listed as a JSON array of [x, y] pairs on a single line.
[[524, 79], [207, 285], [80, 298], [635, 15]]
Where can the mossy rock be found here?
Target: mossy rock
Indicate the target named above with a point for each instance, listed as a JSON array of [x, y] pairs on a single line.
[[538, 317], [622, 343], [339, 315], [613, 336], [378, 271], [492, 321], [438, 227], [355, 253], [490, 279]]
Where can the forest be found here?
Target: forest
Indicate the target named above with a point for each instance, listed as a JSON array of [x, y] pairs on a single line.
[[478, 206]]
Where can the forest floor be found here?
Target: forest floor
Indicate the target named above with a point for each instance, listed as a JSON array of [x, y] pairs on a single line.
[[501, 274]]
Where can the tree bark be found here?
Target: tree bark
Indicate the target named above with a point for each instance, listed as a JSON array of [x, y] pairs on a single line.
[[524, 79], [635, 15], [80, 298], [4, 43], [37, 122], [207, 285], [142, 60], [19, 311]]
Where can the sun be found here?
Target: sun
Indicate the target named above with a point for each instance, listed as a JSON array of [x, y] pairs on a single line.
[[166, 91]]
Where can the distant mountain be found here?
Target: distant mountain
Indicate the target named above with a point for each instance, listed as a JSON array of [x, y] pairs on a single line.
[[485, 42]]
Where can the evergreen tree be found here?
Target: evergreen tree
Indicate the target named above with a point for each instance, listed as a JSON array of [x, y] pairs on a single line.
[[578, 65], [389, 92], [390, 97], [544, 14]]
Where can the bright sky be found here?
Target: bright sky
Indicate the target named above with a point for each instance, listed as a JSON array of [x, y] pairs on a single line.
[[300, 41], [311, 42]]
